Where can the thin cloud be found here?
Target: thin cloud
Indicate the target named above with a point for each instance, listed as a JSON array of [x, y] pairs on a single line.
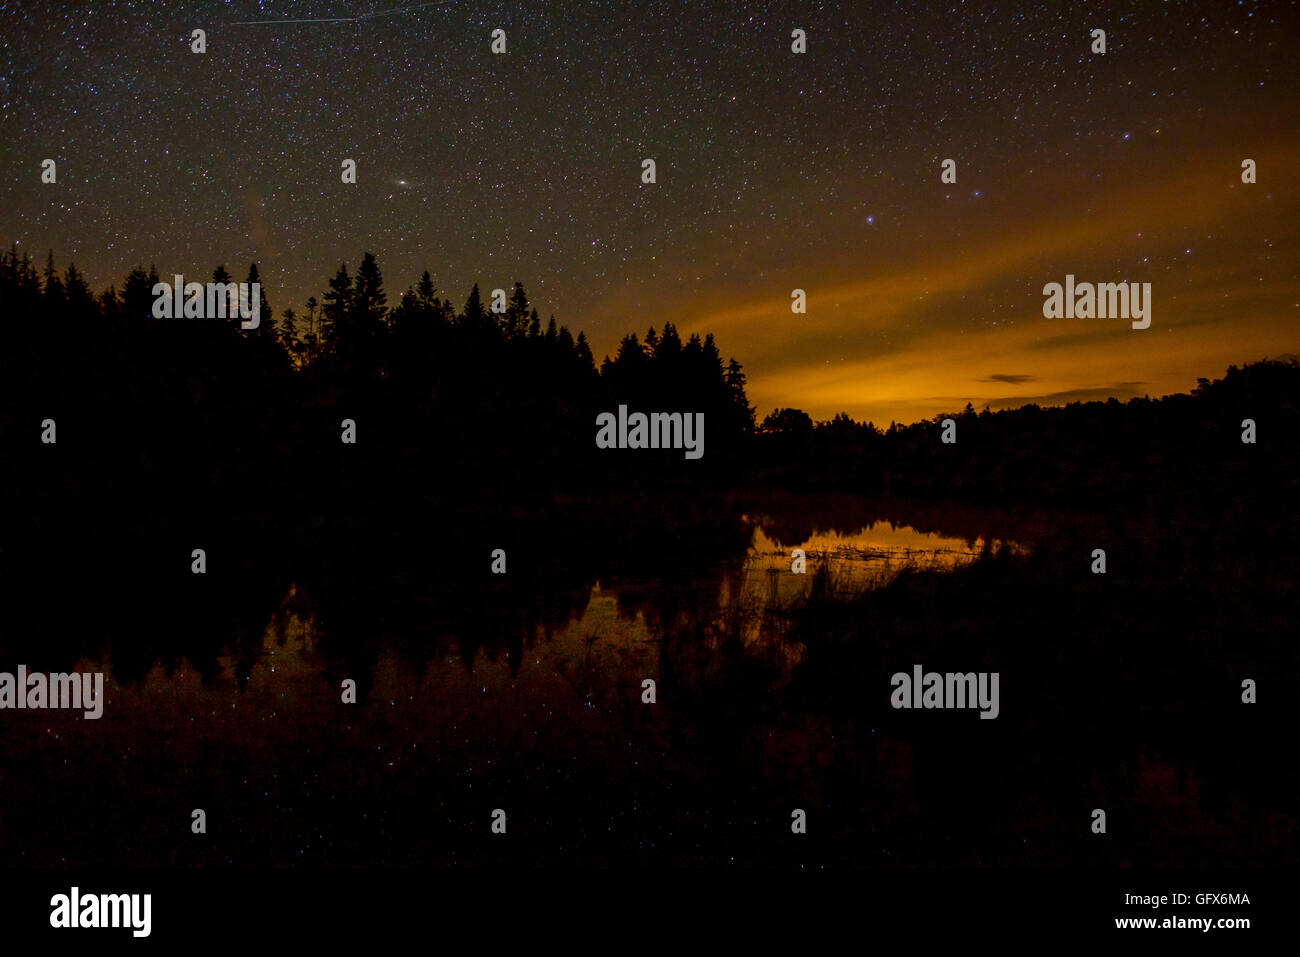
[[1009, 378], [1100, 394]]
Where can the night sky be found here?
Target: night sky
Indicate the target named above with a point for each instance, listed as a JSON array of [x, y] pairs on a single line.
[[775, 171]]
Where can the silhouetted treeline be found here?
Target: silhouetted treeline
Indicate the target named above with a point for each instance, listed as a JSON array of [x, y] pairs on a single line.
[[444, 403], [449, 405], [1108, 454]]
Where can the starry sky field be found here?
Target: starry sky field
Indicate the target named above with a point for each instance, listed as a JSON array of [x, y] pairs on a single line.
[[775, 171]]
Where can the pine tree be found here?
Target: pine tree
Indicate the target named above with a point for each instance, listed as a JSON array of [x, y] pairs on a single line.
[[474, 316], [424, 292], [265, 317], [110, 303], [137, 294], [336, 313], [53, 295], [311, 341], [80, 298], [368, 318], [516, 317], [629, 352], [669, 348], [735, 380], [583, 351], [220, 275], [289, 332], [713, 358], [369, 299]]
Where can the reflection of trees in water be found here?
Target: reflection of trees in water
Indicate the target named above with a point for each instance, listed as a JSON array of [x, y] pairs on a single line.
[[365, 581], [420, 588]]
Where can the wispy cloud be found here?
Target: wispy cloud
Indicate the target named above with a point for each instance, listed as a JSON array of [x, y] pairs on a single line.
[[889, 344], [1013, 379]]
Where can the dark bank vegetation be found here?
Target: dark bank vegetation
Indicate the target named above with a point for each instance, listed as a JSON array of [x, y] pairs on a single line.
[[453, 406], [1183, 450], [1121, 691]]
